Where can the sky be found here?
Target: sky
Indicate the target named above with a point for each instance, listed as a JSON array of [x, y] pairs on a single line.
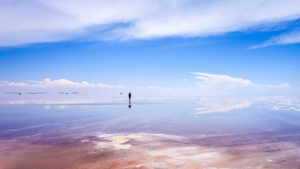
[[184, 47]]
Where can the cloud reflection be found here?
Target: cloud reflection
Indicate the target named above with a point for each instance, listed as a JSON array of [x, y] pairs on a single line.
[[225, 104], [220, 104]]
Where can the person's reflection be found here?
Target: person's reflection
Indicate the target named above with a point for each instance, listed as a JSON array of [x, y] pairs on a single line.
[[129, 104]]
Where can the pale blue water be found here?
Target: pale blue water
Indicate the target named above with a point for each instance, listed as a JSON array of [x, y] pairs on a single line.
[[177, 117]]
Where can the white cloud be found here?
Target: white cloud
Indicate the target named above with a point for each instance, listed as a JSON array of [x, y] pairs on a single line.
[[209, 86], [54, 85], [222, 85], [208, 79], [34, 21], [59, 91]]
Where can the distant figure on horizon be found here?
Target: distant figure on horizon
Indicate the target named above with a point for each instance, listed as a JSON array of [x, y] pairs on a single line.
[[129, 96]]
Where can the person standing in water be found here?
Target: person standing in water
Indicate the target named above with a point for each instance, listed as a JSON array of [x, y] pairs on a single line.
[[129, 97]]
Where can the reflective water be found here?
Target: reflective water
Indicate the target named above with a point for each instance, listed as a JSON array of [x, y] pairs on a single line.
[[229, 126]]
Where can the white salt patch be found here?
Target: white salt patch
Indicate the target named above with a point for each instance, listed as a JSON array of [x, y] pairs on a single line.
[[101, 145], [138, 166], [85, 141], [119, 141]]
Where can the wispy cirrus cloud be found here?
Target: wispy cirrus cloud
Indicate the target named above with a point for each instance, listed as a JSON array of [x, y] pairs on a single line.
[[284, 39], [36, 21]]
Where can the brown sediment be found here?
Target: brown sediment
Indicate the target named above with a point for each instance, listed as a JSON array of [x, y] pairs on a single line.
[[147, 151]]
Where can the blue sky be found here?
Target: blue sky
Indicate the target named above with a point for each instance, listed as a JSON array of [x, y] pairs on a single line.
[[166, 61], [160, 46]]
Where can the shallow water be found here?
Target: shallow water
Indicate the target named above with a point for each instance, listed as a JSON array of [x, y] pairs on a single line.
[[202, 133]]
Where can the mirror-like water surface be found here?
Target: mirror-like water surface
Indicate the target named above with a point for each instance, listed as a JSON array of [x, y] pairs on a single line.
[[202, 133]]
